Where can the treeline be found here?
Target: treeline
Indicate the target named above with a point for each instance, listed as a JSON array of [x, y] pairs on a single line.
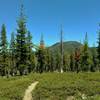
[[19, 58]]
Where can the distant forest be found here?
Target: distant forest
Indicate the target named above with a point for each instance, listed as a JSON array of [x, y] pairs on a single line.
[[19, 58]]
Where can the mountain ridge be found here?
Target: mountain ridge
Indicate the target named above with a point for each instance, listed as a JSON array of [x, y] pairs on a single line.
[[69, 46]]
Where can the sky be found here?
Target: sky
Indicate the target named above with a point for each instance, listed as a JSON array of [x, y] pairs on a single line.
[[46, 16]]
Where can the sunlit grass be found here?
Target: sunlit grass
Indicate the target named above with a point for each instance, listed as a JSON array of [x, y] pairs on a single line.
[[52, 86]]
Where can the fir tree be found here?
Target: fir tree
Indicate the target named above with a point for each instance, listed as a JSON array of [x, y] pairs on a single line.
[[12, 54], [94, 59], [48, 60], [29, 51], [52, 66], [98, 49], [72, 63], [77, 60], [41, 57], [34, 62], [58, 62], [85, 55], [65, 63], [4, 52], [21, 44]]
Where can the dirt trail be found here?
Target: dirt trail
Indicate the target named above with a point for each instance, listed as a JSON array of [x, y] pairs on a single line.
[[28, 94]]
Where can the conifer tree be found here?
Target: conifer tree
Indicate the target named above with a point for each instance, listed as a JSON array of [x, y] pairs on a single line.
[[3, 52], [30, 52], [52, 66], [85, 55], [34, 62], [58, 62], [72, 63], [65, 63], [94, 59], [77, 60], [21, 44], [98, 49], [12, 54], [48, 60], [41, 57]]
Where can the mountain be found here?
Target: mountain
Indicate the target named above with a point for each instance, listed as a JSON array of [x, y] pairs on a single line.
[[69, 46]]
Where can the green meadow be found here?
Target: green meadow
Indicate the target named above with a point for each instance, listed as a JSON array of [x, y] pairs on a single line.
[[52, 86]]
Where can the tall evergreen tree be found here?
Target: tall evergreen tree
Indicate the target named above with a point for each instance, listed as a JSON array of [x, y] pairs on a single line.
[[41, 57], [21, 43], [77, 60], [52, 66], [12, 55], [4, 68], [48, 60], [98, 49], [65, 63], [34, 62], [85, 55], [94, 59], [58, 62], [72, 62], [30, 52]]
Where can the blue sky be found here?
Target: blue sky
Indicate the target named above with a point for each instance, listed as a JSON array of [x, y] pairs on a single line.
[[46, 16]]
